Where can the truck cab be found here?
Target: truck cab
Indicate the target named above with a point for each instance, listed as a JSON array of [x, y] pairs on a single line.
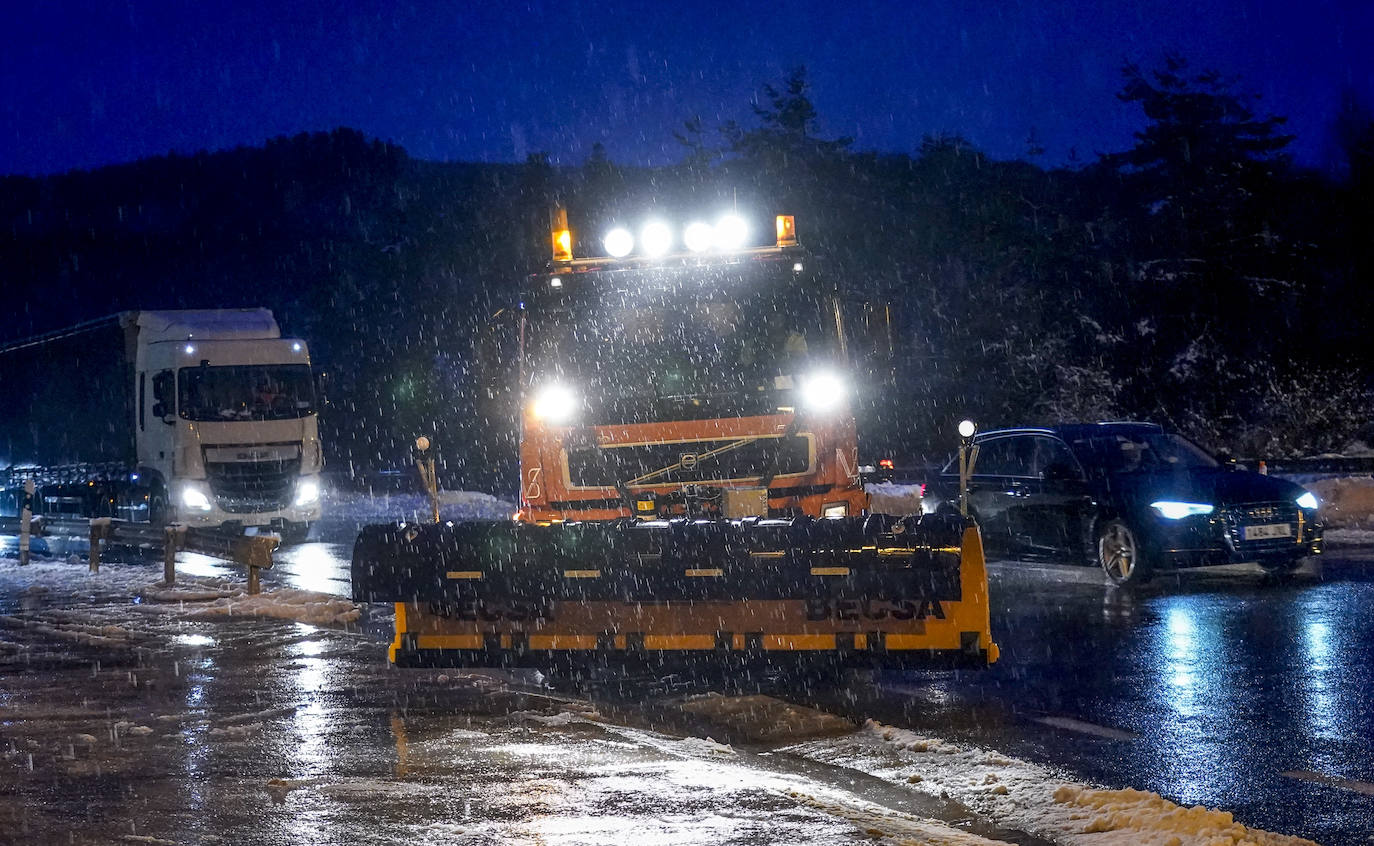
[[225, 420]]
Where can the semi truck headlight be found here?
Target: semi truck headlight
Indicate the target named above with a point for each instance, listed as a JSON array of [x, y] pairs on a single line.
[[1309, 501], [195, 498], [554, 404], [307, 492], [822, 391], [1171, 510]]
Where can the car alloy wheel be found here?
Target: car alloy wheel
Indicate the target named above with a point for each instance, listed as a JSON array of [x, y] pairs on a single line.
[[1119, 553]]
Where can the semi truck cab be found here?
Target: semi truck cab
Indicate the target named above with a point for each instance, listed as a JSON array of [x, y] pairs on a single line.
[[225, 420]]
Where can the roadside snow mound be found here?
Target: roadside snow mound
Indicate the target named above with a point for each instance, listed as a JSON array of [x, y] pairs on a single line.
[[890, 498], [1020, 795], [1347, 501], [453, 505], [303, 606]]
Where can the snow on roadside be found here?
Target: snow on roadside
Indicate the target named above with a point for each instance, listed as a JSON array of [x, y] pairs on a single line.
[[1347, 501], [381, 508], [892, 498], [1020, 795]]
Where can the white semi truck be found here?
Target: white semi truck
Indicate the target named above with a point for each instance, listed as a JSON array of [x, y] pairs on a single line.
[[203, 417]]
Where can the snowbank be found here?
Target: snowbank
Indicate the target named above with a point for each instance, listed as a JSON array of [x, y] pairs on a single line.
[[891, 498], [380, 508], [1347, 501], [1020, 795]]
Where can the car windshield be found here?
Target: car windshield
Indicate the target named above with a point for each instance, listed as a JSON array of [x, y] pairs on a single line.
[[246, 392], [1147, 452]]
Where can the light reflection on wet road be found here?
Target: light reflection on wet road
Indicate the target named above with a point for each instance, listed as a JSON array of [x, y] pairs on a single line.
[[1207, 687]]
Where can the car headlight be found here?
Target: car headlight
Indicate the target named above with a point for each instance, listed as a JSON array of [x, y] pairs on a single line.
[[822, 391], [554, 404], [307, 492], [1309, 501], [1171, 510], [194, 498]]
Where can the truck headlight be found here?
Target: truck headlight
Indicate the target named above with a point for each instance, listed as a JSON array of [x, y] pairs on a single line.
[[822, 391], [835, 509], [554, 404], [195, 498], [307, 492], [1171, 510], [1309, 501]]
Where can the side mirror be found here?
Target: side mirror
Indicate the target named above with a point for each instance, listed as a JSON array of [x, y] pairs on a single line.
[[1059, 471], [161, 410]]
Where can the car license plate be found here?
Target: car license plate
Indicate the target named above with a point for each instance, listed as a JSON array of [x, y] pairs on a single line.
[[1269, 531]]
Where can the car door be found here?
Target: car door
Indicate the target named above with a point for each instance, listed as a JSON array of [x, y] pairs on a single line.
[[998, 492], [1057, 501]]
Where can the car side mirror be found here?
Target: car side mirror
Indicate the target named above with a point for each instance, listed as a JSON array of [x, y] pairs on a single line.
[[1059, 471]]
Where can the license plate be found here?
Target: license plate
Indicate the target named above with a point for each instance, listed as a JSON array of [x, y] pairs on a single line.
[[1269, 531]]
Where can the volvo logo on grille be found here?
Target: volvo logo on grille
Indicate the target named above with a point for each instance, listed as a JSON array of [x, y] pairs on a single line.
[[687, 461]]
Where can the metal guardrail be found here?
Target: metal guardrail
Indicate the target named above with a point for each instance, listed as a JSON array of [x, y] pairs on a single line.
[[252, 552]]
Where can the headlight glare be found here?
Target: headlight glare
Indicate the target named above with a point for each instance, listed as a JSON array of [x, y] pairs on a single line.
[[619, 242], [554, 404], [656, 239], [194, 498], [822, 391], [307, 492], [1170, 510], [1309, 501]]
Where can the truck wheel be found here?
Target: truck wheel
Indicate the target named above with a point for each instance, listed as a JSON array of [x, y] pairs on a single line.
[[1121, 554]]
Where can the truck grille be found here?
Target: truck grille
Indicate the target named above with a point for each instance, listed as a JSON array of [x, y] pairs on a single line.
[[1238, 517], [688, 462], [242, 487]]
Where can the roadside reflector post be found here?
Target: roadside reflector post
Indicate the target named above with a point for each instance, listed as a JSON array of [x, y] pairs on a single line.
[[255, 553], [100, 531], [174, 536], [25, 518], [424, 462]]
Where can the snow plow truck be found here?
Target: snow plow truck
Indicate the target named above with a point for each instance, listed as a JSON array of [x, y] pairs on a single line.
[[689, 484]]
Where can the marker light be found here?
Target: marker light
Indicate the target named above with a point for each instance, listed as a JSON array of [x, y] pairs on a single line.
[[619, 242], [967, 429], [787, 230], [195, 499], [190, 349], [656, 239], [554, 404], [698, 237], [562, 245], [1309, 501], [296, 347], [555, 282], [797, 267], [822, 391], [731, 232], [1170, 510]]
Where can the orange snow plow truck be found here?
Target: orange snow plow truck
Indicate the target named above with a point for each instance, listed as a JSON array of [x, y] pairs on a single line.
[[689, 484]]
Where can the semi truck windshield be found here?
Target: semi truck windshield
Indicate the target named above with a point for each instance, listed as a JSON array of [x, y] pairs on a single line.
[[245, 392]]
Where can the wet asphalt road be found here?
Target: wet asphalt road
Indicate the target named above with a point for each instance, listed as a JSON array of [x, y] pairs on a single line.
[[1217, 687]]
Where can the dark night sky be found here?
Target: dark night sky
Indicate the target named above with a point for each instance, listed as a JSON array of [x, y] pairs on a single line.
[[88, 83]]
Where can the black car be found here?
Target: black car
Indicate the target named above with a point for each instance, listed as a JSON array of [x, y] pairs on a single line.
[[1131, 498]]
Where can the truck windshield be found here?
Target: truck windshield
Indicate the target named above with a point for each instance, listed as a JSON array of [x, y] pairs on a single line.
[[676, 340], [246, 392]]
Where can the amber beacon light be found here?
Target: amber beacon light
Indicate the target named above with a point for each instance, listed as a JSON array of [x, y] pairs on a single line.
[[562, 237], [787, 230]]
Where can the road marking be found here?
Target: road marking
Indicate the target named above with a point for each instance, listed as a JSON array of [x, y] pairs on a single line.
[[1086, 728], [1363, 787]]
